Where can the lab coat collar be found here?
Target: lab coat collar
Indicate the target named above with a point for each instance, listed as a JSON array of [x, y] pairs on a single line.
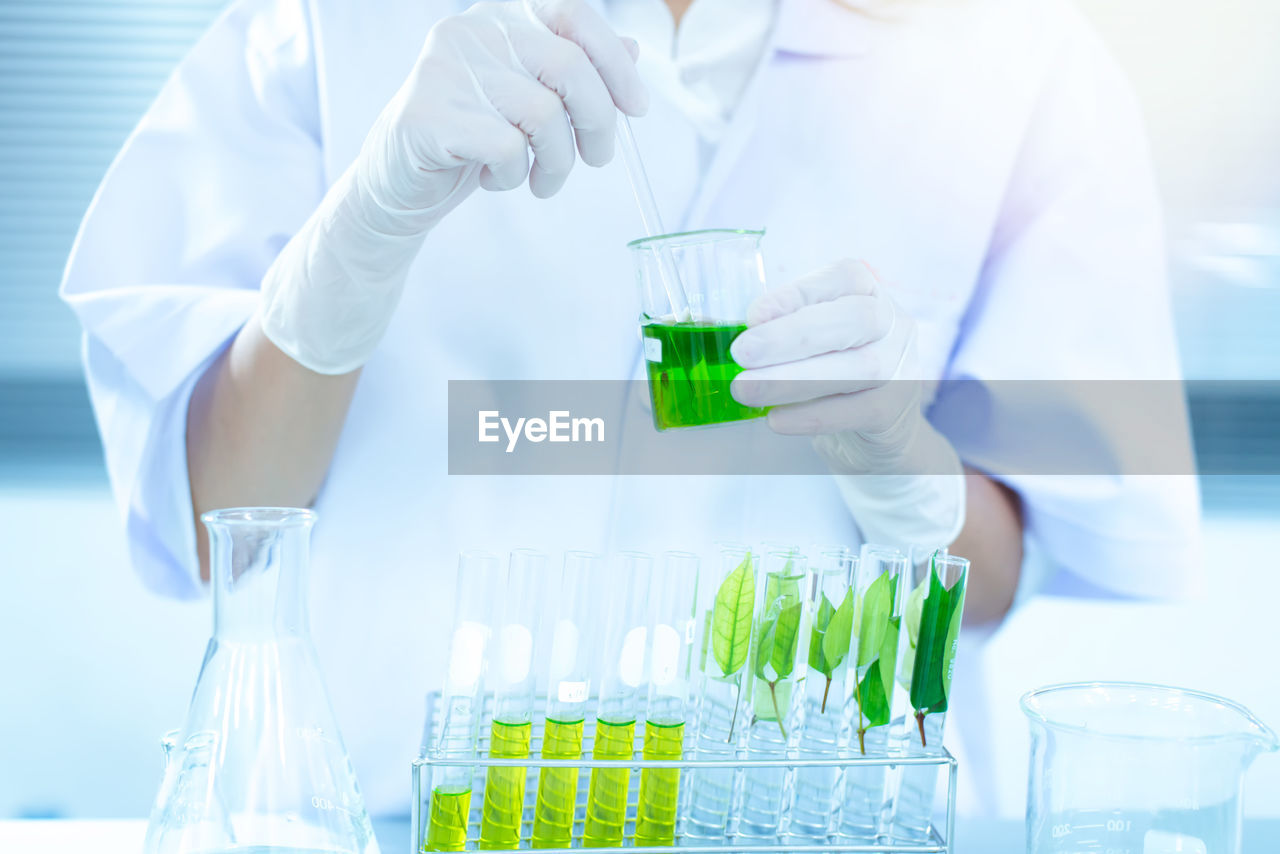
[[822, 28]]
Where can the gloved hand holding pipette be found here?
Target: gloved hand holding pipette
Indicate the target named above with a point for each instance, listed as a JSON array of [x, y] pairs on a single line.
[[835, 357], [490, 84]]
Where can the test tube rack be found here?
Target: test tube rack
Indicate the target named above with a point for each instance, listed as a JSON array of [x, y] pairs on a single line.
[[428, 767]]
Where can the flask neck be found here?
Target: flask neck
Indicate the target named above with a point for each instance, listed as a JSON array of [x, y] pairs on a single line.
[[258, 560]]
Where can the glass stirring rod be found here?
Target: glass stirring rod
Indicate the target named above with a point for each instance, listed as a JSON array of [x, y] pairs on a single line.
[[652, 219], [680, 308]]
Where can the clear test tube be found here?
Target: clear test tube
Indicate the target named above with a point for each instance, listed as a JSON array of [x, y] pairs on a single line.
[[830, 595], [568, 694], [771, 546], [512, 673], [623, 666], [457, 736], [935, 630], [672, 631], [723, 685], [915, 587], [778, 657], [879, 590], [920, 562]]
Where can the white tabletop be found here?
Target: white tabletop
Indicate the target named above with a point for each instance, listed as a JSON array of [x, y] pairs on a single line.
[[124, 836], [107, 836]]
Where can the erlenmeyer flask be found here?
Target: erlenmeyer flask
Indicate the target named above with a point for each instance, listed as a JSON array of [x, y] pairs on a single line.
[[259, 767]]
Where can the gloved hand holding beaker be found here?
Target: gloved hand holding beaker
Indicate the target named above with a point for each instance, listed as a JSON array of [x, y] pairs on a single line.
[[835, 357], [489, 84]]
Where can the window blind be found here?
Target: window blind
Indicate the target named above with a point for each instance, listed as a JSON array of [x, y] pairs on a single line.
[[75, 77]]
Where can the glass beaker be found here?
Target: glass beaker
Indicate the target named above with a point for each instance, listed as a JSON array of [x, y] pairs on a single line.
[[259, 766], [711, 276], [1122, 766]]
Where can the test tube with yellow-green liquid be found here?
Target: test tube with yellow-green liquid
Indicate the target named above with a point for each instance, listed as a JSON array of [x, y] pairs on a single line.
[[672, 629], [568, 693], [621, 698], [479, 575], [511, 671]]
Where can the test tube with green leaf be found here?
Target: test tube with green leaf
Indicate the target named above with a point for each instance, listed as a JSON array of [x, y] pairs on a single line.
[[623, 666], [458, 734], [502, 817], [672, 599], [778, 671], [831, 601], [932, 619], [879, 583], [722, 685], [568, 671]]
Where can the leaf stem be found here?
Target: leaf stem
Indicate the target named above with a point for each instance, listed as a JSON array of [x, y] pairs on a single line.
[[773, 695], [920, 724], [825, 691]]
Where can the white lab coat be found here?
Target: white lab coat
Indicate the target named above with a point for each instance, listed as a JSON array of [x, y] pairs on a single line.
[[985, 156]]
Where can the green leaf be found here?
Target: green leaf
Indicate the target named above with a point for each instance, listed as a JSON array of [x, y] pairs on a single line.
[[786, 633], [764, 647], [817, 652], [731, 620], [877, 605], [779, 626], [936, 647], [878, 631], [873, 699], [835, 643], [889, 653], [911, 622], [911, 614]]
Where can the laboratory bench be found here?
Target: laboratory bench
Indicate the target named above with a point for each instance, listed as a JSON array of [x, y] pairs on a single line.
[[118, 836]]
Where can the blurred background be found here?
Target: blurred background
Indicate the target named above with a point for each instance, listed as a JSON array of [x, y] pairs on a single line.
[[93, 669]]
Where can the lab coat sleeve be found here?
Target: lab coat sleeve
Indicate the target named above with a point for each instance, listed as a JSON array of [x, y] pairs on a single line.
[[1074, 291], [222, 170]]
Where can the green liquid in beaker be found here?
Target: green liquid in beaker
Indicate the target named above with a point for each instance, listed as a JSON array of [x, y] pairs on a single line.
[[607, 797], [447, 830], [504, 788], [557, 787], [659, 787], [690, 370]]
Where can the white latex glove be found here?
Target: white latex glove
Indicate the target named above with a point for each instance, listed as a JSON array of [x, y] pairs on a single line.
[[489, 84], [835, 357]]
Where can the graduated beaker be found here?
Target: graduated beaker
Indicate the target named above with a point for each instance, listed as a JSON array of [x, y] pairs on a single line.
[[686, 347], [1122, 766], [259, 766]]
